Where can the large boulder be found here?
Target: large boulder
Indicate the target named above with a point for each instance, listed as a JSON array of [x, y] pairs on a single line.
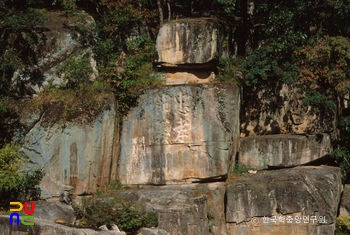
[[52, 211], [75, 155], [180, 134], [271, 151], [189, 41], [181, 209], [188, 50], [184, 209], [303, 192]]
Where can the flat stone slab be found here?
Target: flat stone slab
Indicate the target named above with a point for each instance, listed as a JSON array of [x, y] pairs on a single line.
[[271, 151], [308, 191]]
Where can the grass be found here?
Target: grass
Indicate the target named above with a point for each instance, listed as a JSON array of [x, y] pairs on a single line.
[[238, 171]]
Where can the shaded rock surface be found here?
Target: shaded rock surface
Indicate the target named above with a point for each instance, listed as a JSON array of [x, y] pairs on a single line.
[[184, 209], [279, 109], [52, 211], [62, 38], [179, 211], [300, 191], [152, 231], [181, 133], [344, 209], [262, 152], [75, 156]]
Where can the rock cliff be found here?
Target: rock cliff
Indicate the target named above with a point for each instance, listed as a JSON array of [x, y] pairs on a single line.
[[179, 144]]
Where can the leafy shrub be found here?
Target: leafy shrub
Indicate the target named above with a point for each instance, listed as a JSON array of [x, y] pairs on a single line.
[[228, 68], [97, 211], [76, 71], [16, 182], [342, 225]]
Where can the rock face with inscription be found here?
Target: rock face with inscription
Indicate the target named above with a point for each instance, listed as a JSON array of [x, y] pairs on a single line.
[[311, 193], [188, 50], [180, 134], [271, 151]]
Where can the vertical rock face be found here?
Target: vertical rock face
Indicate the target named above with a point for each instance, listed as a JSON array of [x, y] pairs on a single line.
[[301, 191], [262, 152], [189, 49], [344, 209], [178, 134], [73, 156]]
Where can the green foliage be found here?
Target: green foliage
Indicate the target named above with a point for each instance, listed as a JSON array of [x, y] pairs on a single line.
[[341, 150], [76, 71], [239, 169], [16, 182], [210, 216], [228, 69], [20, 39], [2, 107], [342, 225], [317, 99], [97, 211], [23, 20], [237, 172], [262, 65]]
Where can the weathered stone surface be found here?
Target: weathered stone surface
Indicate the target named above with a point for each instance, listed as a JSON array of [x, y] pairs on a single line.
[[215, 194], [62, 39], [74, 156], [280, 228], [189, 41], [187, 77], [152, 231], [279, 109], [52, 211], [300, 191], [180, 134], [188, 50], [262, 152], [344, 209], [180, 210], [46, 227]]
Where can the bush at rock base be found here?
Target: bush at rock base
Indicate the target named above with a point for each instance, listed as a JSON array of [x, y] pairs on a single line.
[[342, 225], [108, 210]]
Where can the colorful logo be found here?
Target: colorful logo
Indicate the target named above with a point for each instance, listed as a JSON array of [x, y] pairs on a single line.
[[22, 219]]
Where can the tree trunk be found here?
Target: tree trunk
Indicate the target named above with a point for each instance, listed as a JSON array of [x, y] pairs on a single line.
[[169, 10], [161, 17]]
